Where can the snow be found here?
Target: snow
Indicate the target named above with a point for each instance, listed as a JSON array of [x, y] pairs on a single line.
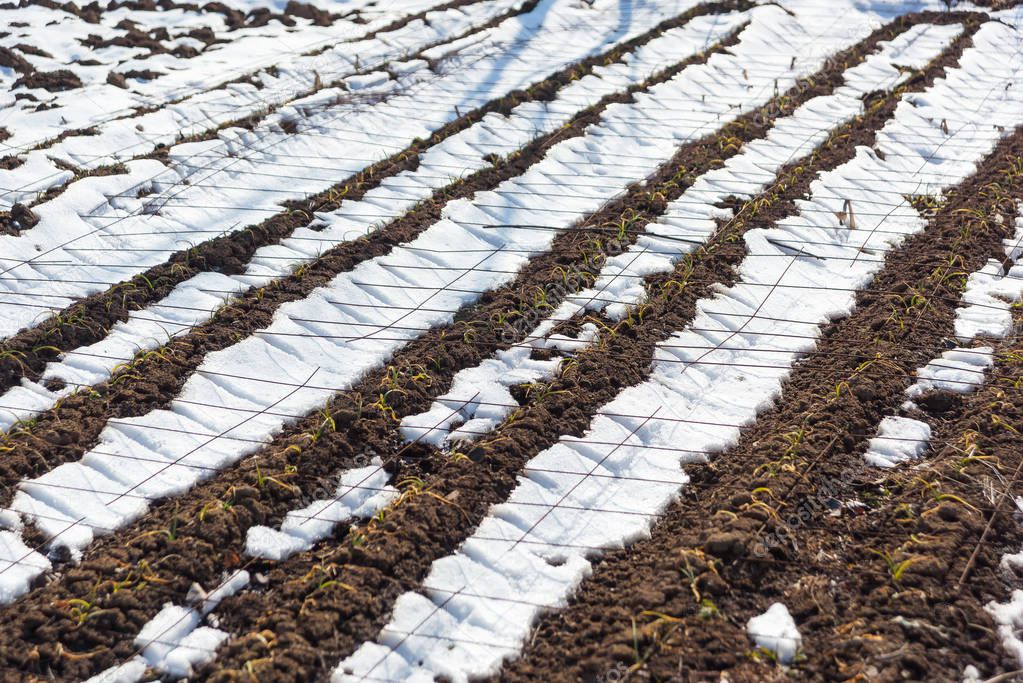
[[184, 100], [174, 642], [1009, 618], [707, 382], [361, 493], [19, 566], [775, 630], [957, 370], [165, 632], [898, 440], [130, 672], [480, 397]]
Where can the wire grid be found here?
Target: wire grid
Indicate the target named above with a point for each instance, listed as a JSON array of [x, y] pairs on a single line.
[[650, 417]]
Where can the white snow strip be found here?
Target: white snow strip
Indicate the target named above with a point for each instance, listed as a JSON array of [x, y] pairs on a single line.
[[990, 293], [775, 630], [1009, 617], [193, 301], [362, 493], [19, 566], [898, 439], [707, 382], [243, 395], [480, 399], [173, 642]]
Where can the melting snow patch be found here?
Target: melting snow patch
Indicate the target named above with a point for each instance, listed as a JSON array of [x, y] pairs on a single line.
[[19, 564], [370, 80], [361, 493], [898, 439], [1009, 617], [775, 630], [129, 672], [173, 642], [959, 371]]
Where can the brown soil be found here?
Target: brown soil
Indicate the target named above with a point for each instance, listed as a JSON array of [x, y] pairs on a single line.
[[998, 4], [151, 40], [90, 13], [119, 79], [12, 60], [305, 10], [32, 50], [765, 520], [53, 81], [17, 219], [93, 12]]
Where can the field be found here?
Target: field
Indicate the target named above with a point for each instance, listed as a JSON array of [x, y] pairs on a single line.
[[571, 340]]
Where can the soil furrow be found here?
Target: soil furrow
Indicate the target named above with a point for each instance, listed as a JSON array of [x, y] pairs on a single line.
[[109, 642], [768, 520], [389, 557]]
